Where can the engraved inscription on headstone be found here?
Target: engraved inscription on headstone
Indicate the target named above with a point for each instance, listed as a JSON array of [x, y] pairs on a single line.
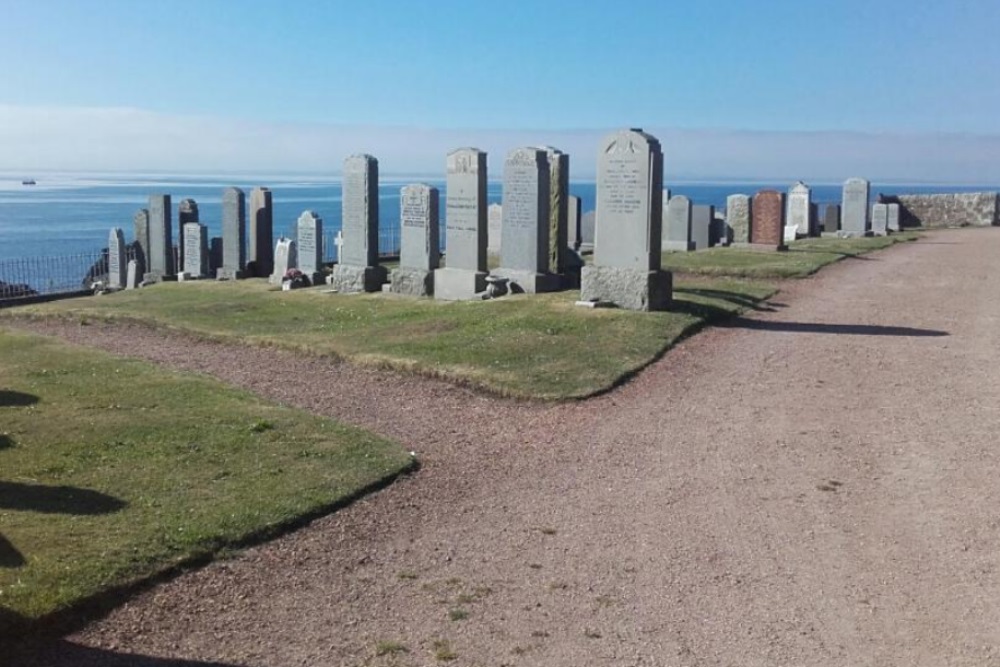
[[309, 246], [187, 211], [525, 255], [420, 241], [464, 273], [195, 250], [116, 259], [854, 208]]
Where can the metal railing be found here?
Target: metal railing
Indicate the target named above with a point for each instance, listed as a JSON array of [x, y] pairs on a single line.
[[30, 277]]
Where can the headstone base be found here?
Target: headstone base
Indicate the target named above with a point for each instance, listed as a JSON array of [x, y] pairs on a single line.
[[351, 279], [529, 282], [674, 246], [631, 289], [229, 274], [458, 284], [184, 276], [411, 282], [156, 277]]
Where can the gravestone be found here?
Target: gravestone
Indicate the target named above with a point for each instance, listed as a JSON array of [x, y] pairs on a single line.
[[854, 207], [187, 211], [464, 273], [132, 275], [880, 219], [768, 219], [420, 254], [678, 225], [558, 163], [195, 237], [738, 218], [161, 246], [626, 269], [116, 259], [214, 255], [260, 236], [309, 247], [702, 219], [525, 250], [797, 212], [357, 269], [494, 215], [573, 214], [791, 233], [284, 258], [893, 224], [721, 234], [588, 225], [234, 235], [831, 219], [140, 226]]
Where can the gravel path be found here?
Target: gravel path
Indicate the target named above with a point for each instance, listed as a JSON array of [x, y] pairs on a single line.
[[814, 485]]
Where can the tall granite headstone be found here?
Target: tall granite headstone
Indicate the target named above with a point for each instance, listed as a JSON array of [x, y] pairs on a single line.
[[187, 211], [702, 219], [284, 258], [880, 219], [831, 219], [854, 207], [309, 246], [626, 269], [234, 235], [738, 218], [161, 244], [358, 269], [195, 237], [525, 257], [464, 273], [798, 209], [573, 231], [677, 226], [260, 236], [140, 226], [893, 223], [768, 219], [420, 254], [117, 259], [558, 163], [494, 218]]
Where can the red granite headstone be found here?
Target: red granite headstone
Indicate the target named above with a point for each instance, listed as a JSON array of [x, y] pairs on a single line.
[[768, 218]]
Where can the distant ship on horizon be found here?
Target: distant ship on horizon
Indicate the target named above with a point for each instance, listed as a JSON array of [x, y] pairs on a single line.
[[28, 181]]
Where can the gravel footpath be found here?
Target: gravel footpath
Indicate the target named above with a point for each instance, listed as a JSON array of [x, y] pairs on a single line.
[[815, 484]]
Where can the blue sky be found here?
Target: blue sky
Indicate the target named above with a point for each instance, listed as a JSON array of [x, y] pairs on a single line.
[[133, 84]]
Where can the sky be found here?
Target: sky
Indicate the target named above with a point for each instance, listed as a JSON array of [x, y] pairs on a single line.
[[889, 90]]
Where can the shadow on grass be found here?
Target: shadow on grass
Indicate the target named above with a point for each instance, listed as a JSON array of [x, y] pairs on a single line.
[[6, 442], [844, 255], [740, 300], [840, 329], [56, 499], [16, 399], [9, 556]]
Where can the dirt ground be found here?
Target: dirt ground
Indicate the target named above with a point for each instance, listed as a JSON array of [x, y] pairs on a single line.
[[813, 484]]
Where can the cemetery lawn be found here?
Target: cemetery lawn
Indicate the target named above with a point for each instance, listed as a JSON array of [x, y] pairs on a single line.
[[114, 470], [527, 346], [802, 258]]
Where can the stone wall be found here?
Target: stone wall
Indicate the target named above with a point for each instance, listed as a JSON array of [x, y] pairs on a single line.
[[977, 209]]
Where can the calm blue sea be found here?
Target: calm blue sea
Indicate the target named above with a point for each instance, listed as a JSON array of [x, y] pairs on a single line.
[[70, 214]]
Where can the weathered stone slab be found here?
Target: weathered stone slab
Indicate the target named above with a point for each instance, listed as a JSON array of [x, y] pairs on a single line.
[[677, 225], [791, 233], [195, 237], [285, 257], [187, 211], [558, 163], [214, 255], [738, 217], [464, 274], [880, 219], [976, 209], [161, 245], [494, 216], [140, 226], [893, 222], [260, 236], [854, 207], [309, 246], [626, 269], [588, 225], [702, 219], [798, 208], [234, 235], [132, 277], [573, 214], [420, 252], [116, 259], [831, 218], [358, 268], [768, 219]]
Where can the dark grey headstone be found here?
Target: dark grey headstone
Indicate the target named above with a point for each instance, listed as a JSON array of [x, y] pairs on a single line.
[[702, 219], [260, 236], [573, 215], [854, 208], [214, 255], [588, 225], [140, 225], [464, 273], [677, 226], [831, 218], [558, 209], [358, 269], [234, 235], [161, 245]]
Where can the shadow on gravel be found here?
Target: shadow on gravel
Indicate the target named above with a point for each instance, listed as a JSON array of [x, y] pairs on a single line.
[[736, 299], [844, 329], [61, 653], [845, 255]]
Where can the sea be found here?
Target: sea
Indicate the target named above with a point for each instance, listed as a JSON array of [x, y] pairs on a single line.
[[70, 214]]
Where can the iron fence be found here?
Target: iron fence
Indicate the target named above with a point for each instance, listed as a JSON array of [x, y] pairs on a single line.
[[28, 277]]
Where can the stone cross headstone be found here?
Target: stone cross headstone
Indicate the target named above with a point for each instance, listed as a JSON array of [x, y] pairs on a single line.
[[626, 269], [798, 208], [702, 219], [140, 226], [768, 219], [260, 236], [893, 223], [132, 275], [854, 207], [309, 246], [161, 246], [831, 219], [588, 225], [494, 216], [284, 258], [738, 217], [525, 250], [116, 259], [420, 251], [880, 219], [558, 163], [573, 232], [464, 273], [187, 211], [357, 268], [677, 226], [234, 235], [195, 237]]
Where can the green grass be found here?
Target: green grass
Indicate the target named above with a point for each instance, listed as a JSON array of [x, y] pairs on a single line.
[[113, 470], [802, 258], [539, 346]]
